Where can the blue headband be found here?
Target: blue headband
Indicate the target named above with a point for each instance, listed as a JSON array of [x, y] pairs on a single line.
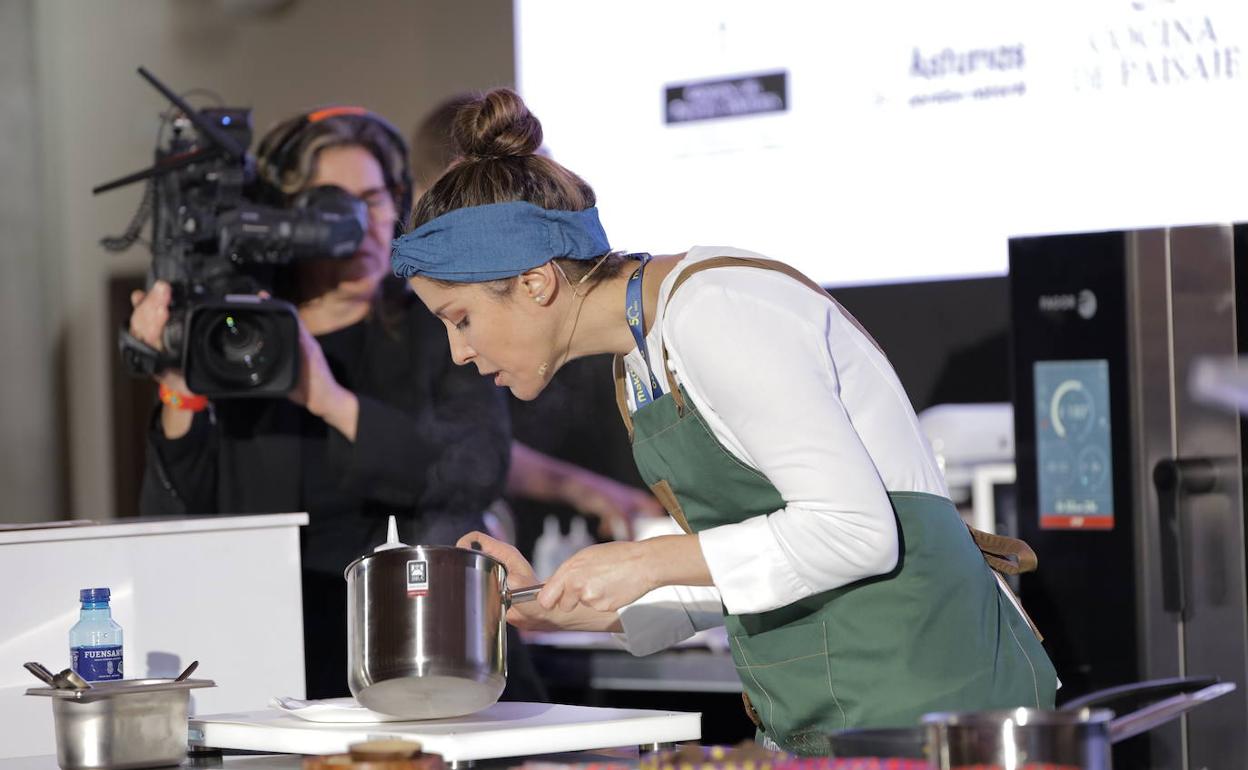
[[498, 240]]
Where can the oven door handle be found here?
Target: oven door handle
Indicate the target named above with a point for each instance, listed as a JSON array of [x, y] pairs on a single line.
[[1175, 479]]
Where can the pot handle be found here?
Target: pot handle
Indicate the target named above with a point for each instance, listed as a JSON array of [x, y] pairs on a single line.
[[1128, 695], [1163, 711], [521, 595], [518, 596]]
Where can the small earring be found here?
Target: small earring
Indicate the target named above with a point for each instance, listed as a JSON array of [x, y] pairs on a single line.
[[540, 298], [541, 370]]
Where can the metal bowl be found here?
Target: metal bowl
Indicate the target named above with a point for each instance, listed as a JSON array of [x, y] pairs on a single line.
[[121, 725]]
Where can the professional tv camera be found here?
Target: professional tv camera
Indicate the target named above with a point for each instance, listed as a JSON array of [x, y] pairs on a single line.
[[217, 241]]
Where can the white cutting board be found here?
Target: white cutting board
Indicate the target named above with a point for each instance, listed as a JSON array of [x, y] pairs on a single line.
[[502, 730]]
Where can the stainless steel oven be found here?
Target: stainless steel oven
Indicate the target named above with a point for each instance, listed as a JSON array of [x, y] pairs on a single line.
[[1131, 491]]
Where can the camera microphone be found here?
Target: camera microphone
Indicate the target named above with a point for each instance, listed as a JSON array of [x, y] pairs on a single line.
[[323, 222]]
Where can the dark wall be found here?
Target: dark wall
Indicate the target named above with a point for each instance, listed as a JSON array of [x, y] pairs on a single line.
[[948, 340]]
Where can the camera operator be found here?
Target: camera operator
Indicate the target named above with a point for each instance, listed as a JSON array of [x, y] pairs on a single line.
[[380, 422]]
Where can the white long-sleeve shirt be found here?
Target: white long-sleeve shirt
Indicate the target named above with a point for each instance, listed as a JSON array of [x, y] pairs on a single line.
[[794, 390]]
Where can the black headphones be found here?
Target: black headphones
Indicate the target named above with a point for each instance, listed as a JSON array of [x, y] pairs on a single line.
[[275, 151]]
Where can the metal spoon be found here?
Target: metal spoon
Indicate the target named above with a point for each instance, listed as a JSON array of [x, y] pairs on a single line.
[[194, 665]]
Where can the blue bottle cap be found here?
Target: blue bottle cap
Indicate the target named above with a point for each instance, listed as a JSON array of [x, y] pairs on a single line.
[[94, 595]]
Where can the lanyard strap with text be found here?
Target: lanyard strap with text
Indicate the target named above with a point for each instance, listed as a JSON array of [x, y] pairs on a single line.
[[637, 325]]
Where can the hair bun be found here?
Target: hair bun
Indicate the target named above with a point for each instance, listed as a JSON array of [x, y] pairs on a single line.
[[497, 125]]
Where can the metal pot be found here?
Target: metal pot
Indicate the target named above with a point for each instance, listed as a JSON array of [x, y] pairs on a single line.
[[426, 630], [1077, 736], [122, 724]]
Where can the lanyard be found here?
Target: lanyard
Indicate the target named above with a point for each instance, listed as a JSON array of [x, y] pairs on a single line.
[[637, 325]]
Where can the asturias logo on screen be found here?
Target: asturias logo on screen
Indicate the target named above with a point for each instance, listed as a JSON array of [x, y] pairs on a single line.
[[951, 62], [973, 73]]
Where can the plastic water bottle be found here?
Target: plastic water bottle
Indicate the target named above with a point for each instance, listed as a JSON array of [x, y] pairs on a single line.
[[578, 538], [95, 640], [548, 550]]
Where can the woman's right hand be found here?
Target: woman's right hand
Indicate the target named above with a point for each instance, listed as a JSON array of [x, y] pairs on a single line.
[[147, 324], [529, 615]]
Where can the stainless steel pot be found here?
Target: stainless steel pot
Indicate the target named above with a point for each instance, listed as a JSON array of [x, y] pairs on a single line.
[[122, 724], [1076, 736], [426, 630]]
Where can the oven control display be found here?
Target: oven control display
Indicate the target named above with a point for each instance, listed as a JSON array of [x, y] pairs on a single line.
[[1074, 466]]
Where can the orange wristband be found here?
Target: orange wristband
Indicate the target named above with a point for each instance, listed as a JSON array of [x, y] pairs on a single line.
[[182, 400]]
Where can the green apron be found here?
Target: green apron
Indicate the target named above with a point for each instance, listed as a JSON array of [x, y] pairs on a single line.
[[934, 634]]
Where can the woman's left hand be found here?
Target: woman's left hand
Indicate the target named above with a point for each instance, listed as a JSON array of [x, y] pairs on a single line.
[[604, 577], [319, 391]]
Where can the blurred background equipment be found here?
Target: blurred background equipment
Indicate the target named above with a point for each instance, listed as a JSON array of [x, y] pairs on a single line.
[[974, 447]]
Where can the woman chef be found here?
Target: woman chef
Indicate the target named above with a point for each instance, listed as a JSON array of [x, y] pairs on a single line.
[[765, 419]]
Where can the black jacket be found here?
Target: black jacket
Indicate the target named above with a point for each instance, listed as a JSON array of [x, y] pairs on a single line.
[[432, 446]]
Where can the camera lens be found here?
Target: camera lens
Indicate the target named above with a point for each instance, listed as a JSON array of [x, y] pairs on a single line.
[[239, 348], [242, 346], [240, 342]]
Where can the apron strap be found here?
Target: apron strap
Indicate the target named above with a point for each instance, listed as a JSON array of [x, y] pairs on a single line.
[[621, 394], [1009, 594], [621, 387], [664, 493], [1007, 555], [767, 264]]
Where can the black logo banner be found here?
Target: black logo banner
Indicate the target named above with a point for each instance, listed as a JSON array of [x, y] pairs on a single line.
[[729, 97]]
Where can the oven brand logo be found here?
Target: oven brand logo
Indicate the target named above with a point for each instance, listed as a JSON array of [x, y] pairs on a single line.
[[1087, 305], [1084, 303]]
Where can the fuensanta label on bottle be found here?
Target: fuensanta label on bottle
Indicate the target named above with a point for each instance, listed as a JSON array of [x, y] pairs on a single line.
[[417, 577], [97, 664]]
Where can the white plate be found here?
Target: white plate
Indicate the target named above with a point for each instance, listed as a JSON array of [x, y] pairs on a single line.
[[331, 710]]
